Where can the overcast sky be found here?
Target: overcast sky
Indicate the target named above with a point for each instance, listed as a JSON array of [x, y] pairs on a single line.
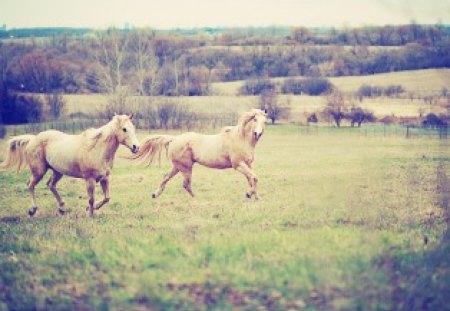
[[199, 13]]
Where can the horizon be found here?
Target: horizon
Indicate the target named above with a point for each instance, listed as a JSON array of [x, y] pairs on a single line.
[[161, 14]]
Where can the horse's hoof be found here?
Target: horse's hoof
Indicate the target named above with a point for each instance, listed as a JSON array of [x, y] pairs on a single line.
[[153, 195], [248, 195], [32, 211], [61, 211]]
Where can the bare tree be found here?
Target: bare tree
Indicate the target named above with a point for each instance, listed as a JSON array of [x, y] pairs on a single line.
[[335, 108], [56, 105], [109, 52], [268, 100], [144, 60]]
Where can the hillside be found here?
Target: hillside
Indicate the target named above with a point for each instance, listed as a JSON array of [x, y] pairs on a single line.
[[423, 82]]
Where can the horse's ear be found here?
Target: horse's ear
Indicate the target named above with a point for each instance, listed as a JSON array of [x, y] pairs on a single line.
[[265, 111], [130, 116]]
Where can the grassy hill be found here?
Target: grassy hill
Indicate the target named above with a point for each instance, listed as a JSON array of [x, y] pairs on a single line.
[[423, 82]]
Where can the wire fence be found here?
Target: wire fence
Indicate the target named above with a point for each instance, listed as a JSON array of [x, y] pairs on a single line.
[[205, 123], [406, 131]]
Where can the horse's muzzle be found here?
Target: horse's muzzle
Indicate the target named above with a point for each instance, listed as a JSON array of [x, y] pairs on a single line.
[[257, 135], [134, 149]]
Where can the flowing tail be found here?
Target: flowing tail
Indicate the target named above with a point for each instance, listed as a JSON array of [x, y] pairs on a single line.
[[152, 146], [15, 158]]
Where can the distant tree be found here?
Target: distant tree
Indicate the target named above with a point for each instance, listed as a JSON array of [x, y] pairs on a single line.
[[336, 108], [56, 105], [312, 118], [433, 121], [144, 60], [358, 115], [268, 100], [257, 87]]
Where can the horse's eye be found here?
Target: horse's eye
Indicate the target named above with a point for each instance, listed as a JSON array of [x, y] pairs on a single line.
[[254, 120], [124, 130]]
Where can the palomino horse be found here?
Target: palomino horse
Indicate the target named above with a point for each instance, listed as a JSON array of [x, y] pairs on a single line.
[[233, 147], [89, 155]]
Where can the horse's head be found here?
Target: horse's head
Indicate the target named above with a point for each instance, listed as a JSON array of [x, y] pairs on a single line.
[[125, 132], [254, 122]]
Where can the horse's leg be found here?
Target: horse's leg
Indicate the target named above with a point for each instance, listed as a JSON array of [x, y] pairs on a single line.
[[105, 188], [56, 177], [166, 178], [187, 174], [243, 168], [90, 184], [36, 175]]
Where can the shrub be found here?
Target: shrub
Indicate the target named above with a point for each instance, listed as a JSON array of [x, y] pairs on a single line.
[[292, 86], [2, 130], [374, 91], [56, 104], [257, 87], [433, 121], [310, 86], [359, 115], [22, 109]]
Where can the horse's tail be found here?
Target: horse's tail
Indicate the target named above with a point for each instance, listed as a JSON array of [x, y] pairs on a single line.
[[150, 147], [15, 156]]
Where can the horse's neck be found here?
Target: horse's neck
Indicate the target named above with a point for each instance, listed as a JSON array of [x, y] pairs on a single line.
[[106, 143], [245, 135]]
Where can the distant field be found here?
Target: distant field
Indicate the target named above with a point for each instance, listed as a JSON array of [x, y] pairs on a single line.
[[345, 222], [300, 105], [421, 82]]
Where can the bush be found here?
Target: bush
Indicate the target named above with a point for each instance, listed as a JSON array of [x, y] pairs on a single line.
[[2, 130], [433, 121], [257, 87], [56, 105], [292, 86], [374, 91], [310, 86], [22, 109]]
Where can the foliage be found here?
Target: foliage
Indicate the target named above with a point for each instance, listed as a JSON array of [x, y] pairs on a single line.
[[22, 109], [374, 91], [268, 101], [257, 87], [358, 115], [336, 108], [169, 63], [310, 86], [56, 105], [433, 121]]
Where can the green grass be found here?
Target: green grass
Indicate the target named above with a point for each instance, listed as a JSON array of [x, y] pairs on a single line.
[[340, 225]]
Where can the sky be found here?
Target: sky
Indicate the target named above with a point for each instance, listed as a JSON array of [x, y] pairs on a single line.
[[168, 14]]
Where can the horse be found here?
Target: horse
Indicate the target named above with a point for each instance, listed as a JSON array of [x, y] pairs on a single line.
[[88, 155], [233, 148]]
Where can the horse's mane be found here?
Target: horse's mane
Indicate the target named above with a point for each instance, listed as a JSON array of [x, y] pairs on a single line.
[[245, 119], [93, 135]]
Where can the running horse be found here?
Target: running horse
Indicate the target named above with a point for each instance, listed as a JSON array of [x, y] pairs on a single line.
[[88, 155], [233, 148]]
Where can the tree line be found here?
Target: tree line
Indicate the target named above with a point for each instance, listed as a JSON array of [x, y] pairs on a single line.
[[145, 62]]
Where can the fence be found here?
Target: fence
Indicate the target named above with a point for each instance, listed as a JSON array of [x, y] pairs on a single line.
[[379, 130], [204, 122], [212, 122]]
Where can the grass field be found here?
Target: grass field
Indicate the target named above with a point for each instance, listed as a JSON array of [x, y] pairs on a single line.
[[422, 82], [345, 222]]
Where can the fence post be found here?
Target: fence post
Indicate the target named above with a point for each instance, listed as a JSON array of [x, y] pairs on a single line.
[[407, 131]]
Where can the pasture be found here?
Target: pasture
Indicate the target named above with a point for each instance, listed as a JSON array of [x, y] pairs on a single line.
[[344, 222]]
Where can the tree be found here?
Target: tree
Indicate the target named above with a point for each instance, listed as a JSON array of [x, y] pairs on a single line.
[[109, 52], [335, 108], [144, 60], [359, 115], [268, 100], [56, 104]]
